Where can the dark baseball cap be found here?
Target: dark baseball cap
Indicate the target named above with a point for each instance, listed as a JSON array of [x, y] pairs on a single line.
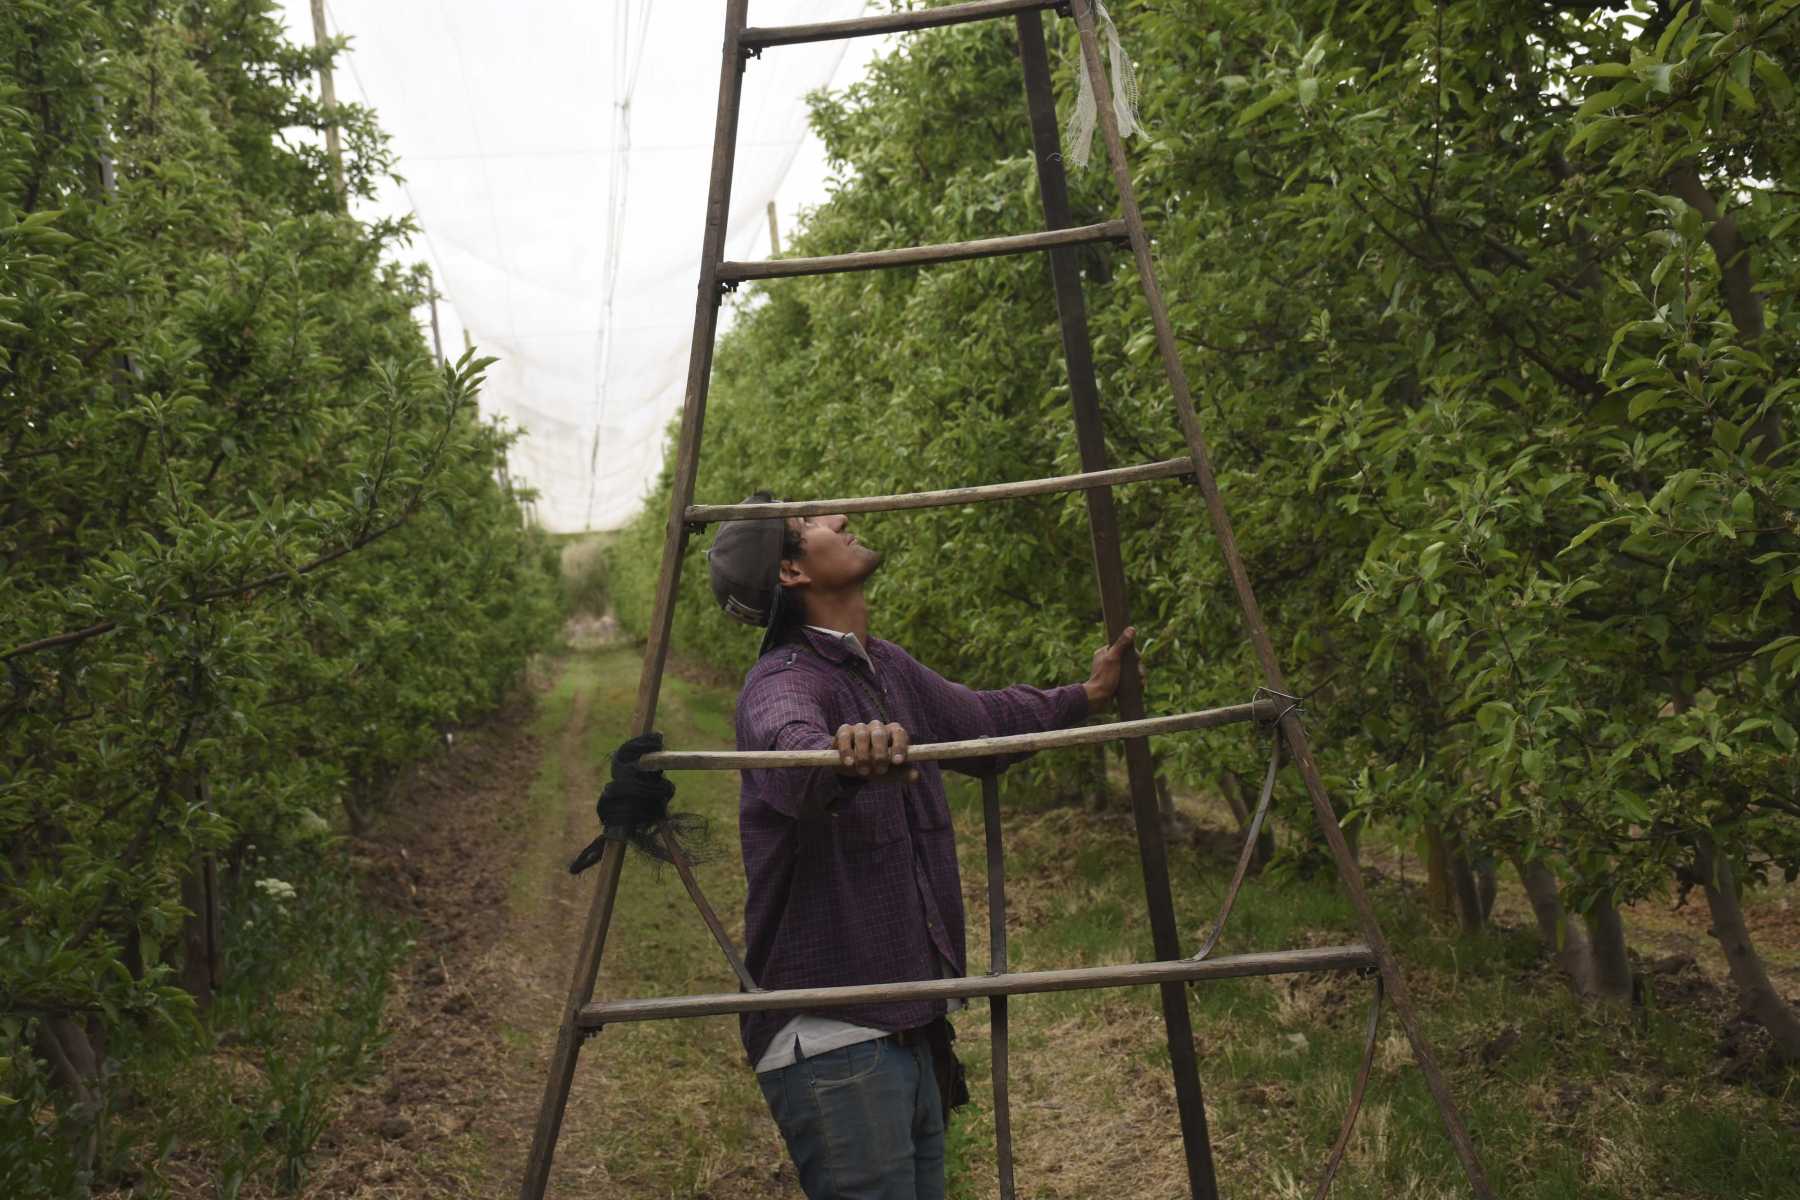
[[745, 562]]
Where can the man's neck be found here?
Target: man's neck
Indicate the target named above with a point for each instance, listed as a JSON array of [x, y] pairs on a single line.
[[846, 612]]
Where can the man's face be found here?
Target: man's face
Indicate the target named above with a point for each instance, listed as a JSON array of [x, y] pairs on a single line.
[[830, 556]]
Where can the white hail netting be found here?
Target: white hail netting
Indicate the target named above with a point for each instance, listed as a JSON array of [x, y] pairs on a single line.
[[557, 156], [1080, 134]]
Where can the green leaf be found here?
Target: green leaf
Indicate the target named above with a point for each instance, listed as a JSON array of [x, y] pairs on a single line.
[[1605, 70], [1428, 560], [1274, 99], [1590, 531]]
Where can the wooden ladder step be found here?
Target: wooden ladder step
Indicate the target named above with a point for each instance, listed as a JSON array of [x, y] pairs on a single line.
[[756, 37], [1013, 983], [1018, 743], [914, 256], [706, 514]]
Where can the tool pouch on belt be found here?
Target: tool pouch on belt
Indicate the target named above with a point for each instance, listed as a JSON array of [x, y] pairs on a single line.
[[953, 1083]]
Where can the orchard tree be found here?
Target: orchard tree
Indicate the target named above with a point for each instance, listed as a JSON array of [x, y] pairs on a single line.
[[257, 551], [1489, 311]]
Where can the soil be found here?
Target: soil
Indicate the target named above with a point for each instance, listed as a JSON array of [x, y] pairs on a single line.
[[452, 1110]]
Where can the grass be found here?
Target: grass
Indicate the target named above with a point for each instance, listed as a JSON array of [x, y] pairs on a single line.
[[243, 1098], [668, 1108], [1567, 1101]]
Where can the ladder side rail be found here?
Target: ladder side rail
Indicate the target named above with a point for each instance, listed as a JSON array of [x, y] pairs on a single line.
[[699, 372], [1169, 468], [997, 1015], [1354, 957], [733, 272], [1084, 395], [900, 22], [572, 1033], [706, 316], [1291, 726]]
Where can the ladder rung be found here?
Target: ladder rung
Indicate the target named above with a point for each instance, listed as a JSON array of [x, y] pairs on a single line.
[[706, 514], [756, 37], [912, 256], [1014, 983], [1017, 743]]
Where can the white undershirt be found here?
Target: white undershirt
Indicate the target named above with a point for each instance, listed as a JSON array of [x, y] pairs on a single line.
[[808, 1035]]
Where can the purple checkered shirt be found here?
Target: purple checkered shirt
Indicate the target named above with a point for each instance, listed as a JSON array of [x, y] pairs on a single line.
[[854, 881]]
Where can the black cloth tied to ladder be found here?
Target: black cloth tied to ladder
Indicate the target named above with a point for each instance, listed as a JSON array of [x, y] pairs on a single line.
[[634, 808]]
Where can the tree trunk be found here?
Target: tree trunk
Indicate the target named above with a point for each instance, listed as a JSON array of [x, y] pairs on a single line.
[[1755, 989], [1566, 941], [1606, 933], [359, 820], [1438, 896], [1737, 285], [201, 962], [1450, 878], [75, 1068]]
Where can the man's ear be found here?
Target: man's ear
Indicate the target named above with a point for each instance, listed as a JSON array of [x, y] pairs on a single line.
[[791, 574]]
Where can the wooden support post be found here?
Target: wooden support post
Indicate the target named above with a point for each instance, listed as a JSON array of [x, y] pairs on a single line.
[[1084, 394], [706, 321], [996, 881], [334, 147], [437, 338], [774, 233], [1291, 727], [571, 1035]]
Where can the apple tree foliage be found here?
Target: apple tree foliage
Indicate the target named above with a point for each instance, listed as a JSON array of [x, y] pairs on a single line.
[[259, 550], [1489, 311]]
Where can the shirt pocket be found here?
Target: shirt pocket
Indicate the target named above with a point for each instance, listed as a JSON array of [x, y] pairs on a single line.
[[926, 798], [870, 819]]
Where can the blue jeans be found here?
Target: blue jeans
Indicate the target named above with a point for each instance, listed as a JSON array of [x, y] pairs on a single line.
[[862, 1122]]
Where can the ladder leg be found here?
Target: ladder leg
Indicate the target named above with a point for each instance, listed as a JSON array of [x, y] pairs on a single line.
[[1109, 566], [996, 878], [699, 374], [706, 323], [569, 1038], [1291, 726]]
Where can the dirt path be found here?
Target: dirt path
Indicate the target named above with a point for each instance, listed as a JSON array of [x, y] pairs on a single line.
[[476, 853]]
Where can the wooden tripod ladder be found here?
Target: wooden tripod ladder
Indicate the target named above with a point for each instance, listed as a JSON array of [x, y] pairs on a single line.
[[1172, 973]]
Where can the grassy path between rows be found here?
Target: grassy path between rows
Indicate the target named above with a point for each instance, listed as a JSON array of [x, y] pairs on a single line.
[[1564, 1101]]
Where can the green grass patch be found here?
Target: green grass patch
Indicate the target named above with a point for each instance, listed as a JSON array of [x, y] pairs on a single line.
[[249, 1086]]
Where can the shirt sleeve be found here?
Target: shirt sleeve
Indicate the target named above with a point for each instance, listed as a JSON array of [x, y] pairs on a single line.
[[782, 711], [958, 713]]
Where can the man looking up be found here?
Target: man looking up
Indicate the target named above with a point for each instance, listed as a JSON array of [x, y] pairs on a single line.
[[852, 874]]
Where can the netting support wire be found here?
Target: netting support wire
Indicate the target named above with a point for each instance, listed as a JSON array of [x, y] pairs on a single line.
[[1293, 703], [685, 868], [1336, 1158], [1246, 854]]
